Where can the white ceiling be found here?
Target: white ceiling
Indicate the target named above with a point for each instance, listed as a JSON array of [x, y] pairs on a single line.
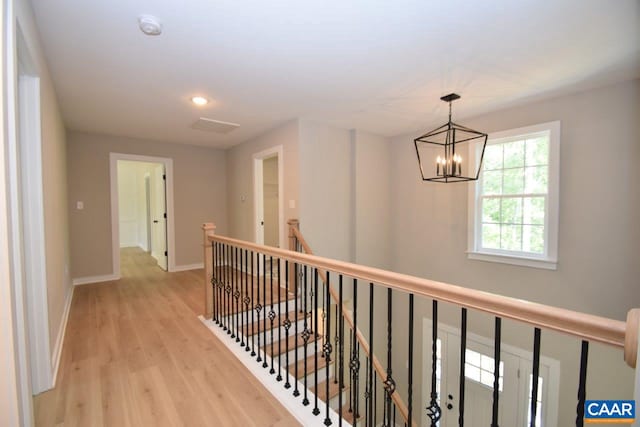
[[379, 66]]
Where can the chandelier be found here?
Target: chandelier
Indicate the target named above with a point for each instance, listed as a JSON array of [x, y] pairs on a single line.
[[444, 153]]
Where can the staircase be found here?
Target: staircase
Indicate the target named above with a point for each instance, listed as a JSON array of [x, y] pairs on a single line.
[[277, 331]]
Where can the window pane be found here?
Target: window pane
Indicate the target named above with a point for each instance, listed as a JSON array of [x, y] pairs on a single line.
[[514, 154], [491, 236], [491, 210], [512, 210], [533, 238], [486, 378], [514, 181], [492, 182], [472, 357], [492, 157], [533, 209], [537, 151], [511, 237], [472, 372], [536, 180]]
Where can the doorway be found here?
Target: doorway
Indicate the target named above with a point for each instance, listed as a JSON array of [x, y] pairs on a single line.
[[268, 197], [515, 381], [142, 208]]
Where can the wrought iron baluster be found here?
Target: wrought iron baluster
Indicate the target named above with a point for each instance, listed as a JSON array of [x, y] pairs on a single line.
[[243, 324], [410, 368], [327, 348], [287, 324], [337, 343], [279, 377], [232, 293], [433, 410], [350, 371], [258, 305], [341, 352], [463, 360], [316, 410], [253, 305], [266, 315], [214, 282], [496, 372], [371, 353], [375, 400], [389, 383], [355, 356], [536, 374], [237, 295], [272, 313], [582, 386], [305, 338], [247, 300], [296, 280], [227, 291]]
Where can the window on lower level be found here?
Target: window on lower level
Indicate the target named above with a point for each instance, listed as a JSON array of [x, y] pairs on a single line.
[[513, 206]]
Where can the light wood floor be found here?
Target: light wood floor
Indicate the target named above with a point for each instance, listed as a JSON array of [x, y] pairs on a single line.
[[135, 354]]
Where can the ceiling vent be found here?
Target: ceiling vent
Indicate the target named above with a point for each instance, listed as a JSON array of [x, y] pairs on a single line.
[[210, 125]]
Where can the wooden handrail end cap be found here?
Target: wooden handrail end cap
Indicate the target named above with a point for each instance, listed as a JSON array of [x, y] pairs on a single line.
[[631, 337]]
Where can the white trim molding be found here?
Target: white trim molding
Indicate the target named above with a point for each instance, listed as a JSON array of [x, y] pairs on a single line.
[[115, 226], [57, 349], [188, 267], [547, 260], [276, 151], [95, 279]]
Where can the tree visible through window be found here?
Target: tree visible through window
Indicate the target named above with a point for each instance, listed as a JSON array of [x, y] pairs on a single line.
[[515, 207], [514, 182]]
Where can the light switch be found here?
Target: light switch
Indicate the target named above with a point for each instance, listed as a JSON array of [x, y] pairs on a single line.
[[79, 205], [292, 204]]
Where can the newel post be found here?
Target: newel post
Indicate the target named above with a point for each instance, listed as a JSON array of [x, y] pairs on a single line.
[[208, 229], [293, 223]]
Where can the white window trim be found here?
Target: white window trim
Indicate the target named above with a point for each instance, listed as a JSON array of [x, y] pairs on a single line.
[[548, 261]]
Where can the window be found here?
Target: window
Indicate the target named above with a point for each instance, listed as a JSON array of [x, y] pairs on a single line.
[[539, 416], [480, 368], [513, 212]]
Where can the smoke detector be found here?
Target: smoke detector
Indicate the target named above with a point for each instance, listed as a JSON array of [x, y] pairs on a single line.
[[150, 25]]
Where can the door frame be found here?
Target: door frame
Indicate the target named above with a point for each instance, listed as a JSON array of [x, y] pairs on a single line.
[[552, 383], [258, 199], [115, 214]]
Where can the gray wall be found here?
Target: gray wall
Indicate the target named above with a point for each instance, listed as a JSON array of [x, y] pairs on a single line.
[[239, 160], [199, 176], [598, 239]]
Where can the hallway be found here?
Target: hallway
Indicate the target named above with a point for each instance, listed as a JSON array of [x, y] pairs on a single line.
[[135, 354]]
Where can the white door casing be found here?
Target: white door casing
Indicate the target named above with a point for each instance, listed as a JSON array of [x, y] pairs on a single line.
[[170, 223], [258, 193]]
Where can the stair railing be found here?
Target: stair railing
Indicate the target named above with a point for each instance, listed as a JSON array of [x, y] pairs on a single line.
[[225, 286], [298, 243]]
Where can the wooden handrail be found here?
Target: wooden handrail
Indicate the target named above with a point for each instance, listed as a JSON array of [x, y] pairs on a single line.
[[397, 400], [582, 325]]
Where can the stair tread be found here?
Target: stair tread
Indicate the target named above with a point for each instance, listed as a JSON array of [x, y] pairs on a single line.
[[348, 416], [310, 365], [293, 340], [334, 390], [283, 317]]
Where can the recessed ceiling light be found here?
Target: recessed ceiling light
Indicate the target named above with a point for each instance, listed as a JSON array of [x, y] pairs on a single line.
[[150, 25], [199, 100]]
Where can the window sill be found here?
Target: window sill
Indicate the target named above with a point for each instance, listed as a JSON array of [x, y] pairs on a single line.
[[546, 264]]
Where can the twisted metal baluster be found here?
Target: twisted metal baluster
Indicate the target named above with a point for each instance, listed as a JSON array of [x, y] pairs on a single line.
[[434, 412]]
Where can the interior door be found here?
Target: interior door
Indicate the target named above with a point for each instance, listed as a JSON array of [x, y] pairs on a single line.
[[159, 216], [479, 368]]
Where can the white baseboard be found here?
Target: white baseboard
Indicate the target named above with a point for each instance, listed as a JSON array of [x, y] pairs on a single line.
[[57, 350], [95, 279], [293, 404], [187, 267]]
